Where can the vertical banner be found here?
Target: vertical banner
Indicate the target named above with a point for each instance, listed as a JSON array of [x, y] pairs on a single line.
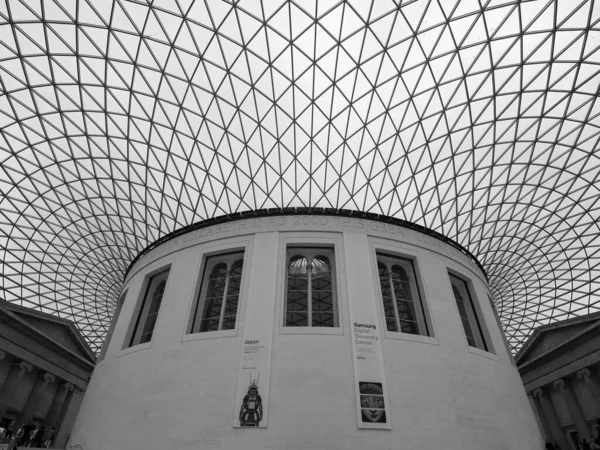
[[252, 398], [369, 378]]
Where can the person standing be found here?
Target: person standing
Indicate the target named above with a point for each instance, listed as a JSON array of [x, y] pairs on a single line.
[[19, 435], [49, 438], [39, 437], [27, 429], [32, 436]]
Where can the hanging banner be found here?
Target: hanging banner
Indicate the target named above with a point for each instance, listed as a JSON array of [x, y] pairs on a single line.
[[253, 383], [369, 377], [251, 405], [371, 398]]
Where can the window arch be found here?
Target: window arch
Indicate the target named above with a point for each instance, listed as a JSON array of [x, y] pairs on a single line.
[[310, 292], [402, 305], [150, 307], [217, 304], [472, 324]]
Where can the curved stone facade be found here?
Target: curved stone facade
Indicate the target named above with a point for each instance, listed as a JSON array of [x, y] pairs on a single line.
[[393, 343]]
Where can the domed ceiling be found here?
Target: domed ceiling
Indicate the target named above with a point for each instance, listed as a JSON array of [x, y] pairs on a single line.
[[122, 121]]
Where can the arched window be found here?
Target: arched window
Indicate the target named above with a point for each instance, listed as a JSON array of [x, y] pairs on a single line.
[[217, 305], [468, 315], [310, 294], [149, 308], [402, 305]]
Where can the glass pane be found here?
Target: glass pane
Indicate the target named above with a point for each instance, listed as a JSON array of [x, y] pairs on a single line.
[[322, 294], [401, 283], [146, 337], [209, 324], [294, 319], [321, 265], [406, 310], [322, 301], [212, 307], [153, 309], [235, 278], [215, 292], [157, 298], [297, 292], [297, 301], [231, 305], [386, 297], [297, 283], [384, 281], [298, 266], [228, 323], [322, 319], [148, 328], [462, 310], [408, 327], [388, 308], [391, 324]]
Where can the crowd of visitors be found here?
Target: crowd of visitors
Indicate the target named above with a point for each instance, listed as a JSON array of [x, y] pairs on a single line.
[[30, 435], [583, 445]]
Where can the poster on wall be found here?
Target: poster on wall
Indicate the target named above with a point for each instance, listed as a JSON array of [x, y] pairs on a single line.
[[369, 376], [251, 408], [253, 384]]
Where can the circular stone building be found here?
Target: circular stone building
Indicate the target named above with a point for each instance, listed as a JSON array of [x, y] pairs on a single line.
[[305, 331]]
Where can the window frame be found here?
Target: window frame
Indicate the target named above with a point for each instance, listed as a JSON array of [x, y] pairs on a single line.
[[228, 246], [390, 259], [400, 250], [483, 340], [136, 324], [229, 256], [328, 241], [311, 252]]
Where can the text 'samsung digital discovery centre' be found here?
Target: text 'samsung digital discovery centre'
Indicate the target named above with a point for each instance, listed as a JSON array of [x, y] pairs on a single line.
[[301, 225]]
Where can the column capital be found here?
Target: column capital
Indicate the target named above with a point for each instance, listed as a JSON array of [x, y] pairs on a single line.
[[538, 393], [24, 366], [69, 386], [559, 384], [49, 378], [2, 355], [584, 373]]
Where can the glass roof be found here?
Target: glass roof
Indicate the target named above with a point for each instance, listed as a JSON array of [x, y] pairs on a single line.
[[122, 121]]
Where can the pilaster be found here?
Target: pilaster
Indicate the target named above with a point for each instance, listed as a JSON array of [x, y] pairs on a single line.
[[60, 397], [41, 384], [549, 412], [539, 417], [8, 388], [591, 381], [575, 410]]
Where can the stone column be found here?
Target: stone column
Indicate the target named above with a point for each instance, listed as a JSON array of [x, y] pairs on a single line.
[[3, 376], [591, 381], [583, 390], [539, 418], [60, 397], [547, 407], [62, 412], [6, 393], [65, 427], [574, 408], [33, 401]]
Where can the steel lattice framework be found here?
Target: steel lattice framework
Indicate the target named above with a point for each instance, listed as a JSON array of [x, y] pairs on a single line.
[[122, 121]]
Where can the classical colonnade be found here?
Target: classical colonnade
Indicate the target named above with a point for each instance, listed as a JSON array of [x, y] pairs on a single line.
[[567, 406], [38, 386]]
